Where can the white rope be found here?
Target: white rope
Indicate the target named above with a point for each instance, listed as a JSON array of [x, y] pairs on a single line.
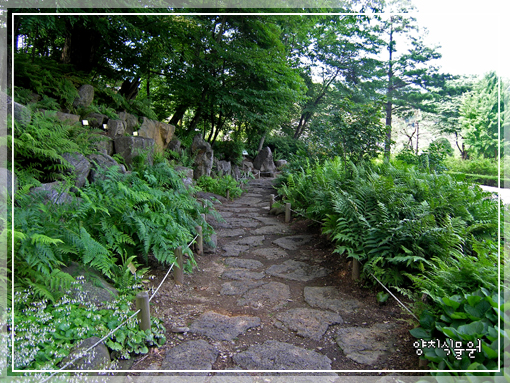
[[302, 215], [82, 354], [404, 306], [168, 272], [189, 245]]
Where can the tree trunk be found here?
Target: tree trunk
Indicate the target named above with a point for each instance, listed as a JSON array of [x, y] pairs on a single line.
[[129, 89], [261, 142], [417, 136], [80, 47], [389, 103], [179, 114]]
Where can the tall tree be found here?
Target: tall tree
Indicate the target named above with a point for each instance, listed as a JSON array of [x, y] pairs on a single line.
[[407, 75], [481, 119]]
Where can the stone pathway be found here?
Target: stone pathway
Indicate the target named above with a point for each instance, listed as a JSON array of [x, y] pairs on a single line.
[[261, 303]]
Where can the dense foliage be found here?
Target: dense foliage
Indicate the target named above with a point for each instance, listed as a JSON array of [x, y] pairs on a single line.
[[114, 222], [416, 231]]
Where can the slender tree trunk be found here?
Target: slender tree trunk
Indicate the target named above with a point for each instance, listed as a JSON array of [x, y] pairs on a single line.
[[389, 103], [417, 135], [261, 142], [179, 114], [219, 126]]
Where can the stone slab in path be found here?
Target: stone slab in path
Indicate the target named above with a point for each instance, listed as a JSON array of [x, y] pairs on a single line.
[[254, 240], [222, 327], [234, 250], [274, 355], [297, 271], [293, 242], [270, 253], [239, 287], [191, 355], [307, 322], [230, 232], [239, 223], [366, 344], [330, 298], [244, 263], [272, 295], [272, 229], [241, 275]]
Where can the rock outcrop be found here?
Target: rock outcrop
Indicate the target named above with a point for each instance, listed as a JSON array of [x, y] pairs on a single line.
[[160, 132], [264, 161], [203, 157], [130, 147]]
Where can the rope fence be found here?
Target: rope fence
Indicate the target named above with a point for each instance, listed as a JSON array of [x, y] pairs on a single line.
[[355, 263], [142, 300]]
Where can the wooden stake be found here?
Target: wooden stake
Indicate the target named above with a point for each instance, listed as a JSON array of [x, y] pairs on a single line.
[[271, 201], [200, 240], [287, 212], [355, 269], [179, 267], [144, 316], [228, 194]]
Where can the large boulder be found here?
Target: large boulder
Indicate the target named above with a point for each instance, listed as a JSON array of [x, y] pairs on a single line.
[[222, 168], [96, 120], [116, 128], [236, 172], [130, 120], [101, 162], [80, 167], [186, 173], [247, 166], [175, 145], [68, 118], [280, 163], [204, 155], [85, 96], [264, 161], [160, 132], [54, 192], [98, 358], [93, 287], [130, 147], [21, 113], [104, 145]]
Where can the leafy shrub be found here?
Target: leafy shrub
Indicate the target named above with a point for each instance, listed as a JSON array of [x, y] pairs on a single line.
[[45, 334], [116, 220], [465, 318], [55, 82], [220, 185], [229, 151], [39, 146], [481, 166], [395, 220]]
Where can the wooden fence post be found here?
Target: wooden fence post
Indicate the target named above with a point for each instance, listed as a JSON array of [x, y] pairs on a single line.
[[287, 212], [271, 201], [228, 194], [179, 271], [200, 240], [144, 316], [355, 269]]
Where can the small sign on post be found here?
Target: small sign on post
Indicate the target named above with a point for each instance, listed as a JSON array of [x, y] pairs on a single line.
[[179, 267], [144, 316]]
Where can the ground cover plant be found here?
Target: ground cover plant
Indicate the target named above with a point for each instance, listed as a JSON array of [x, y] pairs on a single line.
[[220, 185]]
